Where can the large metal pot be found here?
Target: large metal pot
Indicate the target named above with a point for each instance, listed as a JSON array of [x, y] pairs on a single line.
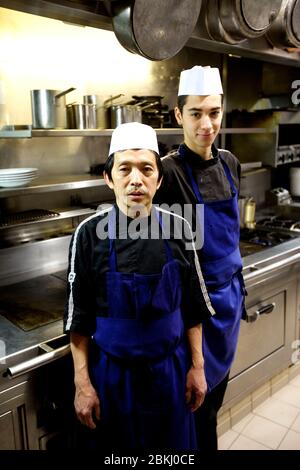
[[233, 21], [155, 29], [285, 31], [48, 108]]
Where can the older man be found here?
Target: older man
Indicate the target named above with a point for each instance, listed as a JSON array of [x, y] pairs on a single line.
[[137, 296]]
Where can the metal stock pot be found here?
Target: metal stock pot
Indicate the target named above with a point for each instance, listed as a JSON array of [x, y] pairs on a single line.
[[48, 108], [122, 113]]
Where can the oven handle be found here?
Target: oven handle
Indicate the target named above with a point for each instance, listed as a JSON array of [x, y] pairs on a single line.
[[35, 362], [256, 271], [264, 310]]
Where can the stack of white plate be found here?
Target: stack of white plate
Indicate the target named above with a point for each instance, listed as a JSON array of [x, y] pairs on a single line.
[[16, 177]]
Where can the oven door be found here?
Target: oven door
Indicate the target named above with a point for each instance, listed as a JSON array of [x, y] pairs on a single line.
[[263, 332]]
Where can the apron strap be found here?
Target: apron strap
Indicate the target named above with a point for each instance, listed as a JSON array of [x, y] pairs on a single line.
[[112, 259], [189, 172], [229, 176], [168, 250], [112, 237]]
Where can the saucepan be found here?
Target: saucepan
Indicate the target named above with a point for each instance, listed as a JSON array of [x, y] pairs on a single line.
[[122, 113], [103, 112]]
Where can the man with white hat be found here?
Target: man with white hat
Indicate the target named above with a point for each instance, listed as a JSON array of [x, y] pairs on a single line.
[[207, 178], [136, 296]]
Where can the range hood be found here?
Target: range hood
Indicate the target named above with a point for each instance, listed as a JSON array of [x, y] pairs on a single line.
[[273, 47]]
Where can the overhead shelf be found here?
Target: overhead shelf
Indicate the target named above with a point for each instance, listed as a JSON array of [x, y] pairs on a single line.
[[54, 183], [93, 132], [161, 131], [15, 132], [108, 132], [247, 130]]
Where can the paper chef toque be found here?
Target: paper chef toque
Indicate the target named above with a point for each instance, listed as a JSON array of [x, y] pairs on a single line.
[[201, 81], [133, 135]]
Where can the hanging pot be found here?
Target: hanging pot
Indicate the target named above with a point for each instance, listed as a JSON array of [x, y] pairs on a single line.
[[233, 21], [285, 31], [155, 29]]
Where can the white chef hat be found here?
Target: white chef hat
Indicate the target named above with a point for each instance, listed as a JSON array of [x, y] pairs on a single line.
[[133, 135], [201, 81]]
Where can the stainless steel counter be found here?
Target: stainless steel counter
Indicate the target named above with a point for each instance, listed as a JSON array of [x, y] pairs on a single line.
[[14, 339], [257, 268], [31, 312]]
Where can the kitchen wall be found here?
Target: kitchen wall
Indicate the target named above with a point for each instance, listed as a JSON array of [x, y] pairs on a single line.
[[37, 52]]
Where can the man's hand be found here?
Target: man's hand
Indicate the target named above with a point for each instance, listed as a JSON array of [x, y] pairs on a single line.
[[87, 405], [196, 387]]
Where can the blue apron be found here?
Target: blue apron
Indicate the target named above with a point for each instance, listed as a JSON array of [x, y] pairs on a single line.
[[221, 265], [142, 359]]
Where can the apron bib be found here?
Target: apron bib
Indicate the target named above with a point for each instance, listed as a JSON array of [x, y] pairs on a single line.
[[221, 265], [142, 359]]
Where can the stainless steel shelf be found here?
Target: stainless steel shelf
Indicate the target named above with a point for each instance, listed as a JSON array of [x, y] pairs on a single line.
[[15, 134], [71, 133], [92, 132], [164, 131], [54, 183], [247, 130], [108, 132]]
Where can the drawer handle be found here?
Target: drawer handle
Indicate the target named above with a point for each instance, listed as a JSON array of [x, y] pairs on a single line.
[[34, 363], [266, 309]]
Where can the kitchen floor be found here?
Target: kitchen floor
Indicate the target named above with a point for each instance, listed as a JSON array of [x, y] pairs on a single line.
[[274, 425]]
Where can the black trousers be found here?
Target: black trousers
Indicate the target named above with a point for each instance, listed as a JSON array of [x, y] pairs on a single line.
[[206, 418]]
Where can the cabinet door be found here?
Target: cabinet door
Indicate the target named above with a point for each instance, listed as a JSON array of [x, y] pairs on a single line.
[[265, 335], [13, 433]]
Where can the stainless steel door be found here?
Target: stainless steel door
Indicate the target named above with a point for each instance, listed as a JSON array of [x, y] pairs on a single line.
[[262, 337]]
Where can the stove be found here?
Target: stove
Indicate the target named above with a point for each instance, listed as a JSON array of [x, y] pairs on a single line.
[[266, 236], [279, 222]]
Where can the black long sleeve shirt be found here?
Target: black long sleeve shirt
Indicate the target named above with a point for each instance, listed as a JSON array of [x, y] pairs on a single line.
[[88, 265], [209, 175]]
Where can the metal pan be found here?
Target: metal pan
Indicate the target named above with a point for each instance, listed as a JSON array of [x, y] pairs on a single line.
[[154, 29], [285, 31], [233, 21]]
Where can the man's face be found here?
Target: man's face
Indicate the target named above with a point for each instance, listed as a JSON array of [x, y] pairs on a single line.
[[134, 180], [201, 121]]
